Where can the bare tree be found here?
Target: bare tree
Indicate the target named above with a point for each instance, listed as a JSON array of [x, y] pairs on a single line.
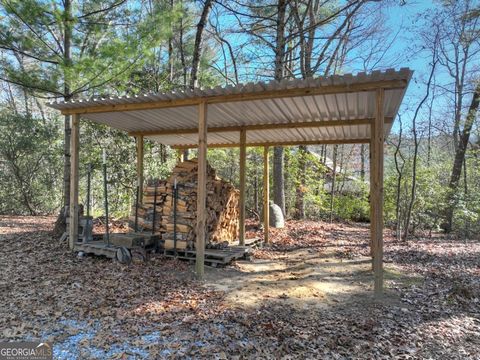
[[459, 48], [197, 49], [399, 167], [416, 142], [459, 160]]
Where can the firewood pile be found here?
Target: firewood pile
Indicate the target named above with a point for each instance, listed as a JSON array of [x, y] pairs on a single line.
[[222, 208]]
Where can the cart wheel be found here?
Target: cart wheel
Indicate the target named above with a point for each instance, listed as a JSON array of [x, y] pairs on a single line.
[[123, 255]]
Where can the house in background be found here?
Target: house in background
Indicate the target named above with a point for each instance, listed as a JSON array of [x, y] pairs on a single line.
[[348, 174]]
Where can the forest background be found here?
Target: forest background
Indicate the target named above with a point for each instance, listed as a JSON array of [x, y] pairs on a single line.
[[71, 49]]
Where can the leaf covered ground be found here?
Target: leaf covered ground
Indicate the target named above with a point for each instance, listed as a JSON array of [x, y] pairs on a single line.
[[95, 308]]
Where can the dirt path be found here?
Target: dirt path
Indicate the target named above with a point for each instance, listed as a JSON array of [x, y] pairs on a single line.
[[301, 278]]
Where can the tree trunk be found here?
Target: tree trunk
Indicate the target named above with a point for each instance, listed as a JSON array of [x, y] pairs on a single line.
[[429, 129], [278, 178], [399, 169], [170, 51], [334, 175], [413, 189], [255, 192], [459, 158], [197, 50], [182, 52], [255, 185], [66, 162], [61, 224], [416, 141], [68, 60], [280, 41], [184, 67], [300, 191], [362, 159], [278, 170]]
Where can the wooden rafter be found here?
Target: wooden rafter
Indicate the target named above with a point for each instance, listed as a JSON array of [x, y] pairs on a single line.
[[291, 125], [281, 143]]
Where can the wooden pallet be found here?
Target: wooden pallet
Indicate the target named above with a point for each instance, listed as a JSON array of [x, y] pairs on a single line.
[[252, 242], [101, 248], [212, 256]]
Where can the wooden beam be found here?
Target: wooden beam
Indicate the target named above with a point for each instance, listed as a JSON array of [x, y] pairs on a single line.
[[291, 125], [74, 163], [376, 192], [250, 96], [280, 143], [140, 156], [266, 196], [201, 191], [243, 160]]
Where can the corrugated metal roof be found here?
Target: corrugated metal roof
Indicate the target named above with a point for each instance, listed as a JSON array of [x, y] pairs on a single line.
[[246, 105]]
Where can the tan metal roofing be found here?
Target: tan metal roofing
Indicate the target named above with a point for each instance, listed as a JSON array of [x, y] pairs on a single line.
[[273, 112]]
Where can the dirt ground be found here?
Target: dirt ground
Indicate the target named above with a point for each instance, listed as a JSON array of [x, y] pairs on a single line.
[[302, 278], [308, 295]]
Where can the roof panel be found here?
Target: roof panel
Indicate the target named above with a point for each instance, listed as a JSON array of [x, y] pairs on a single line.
[[172, 117]]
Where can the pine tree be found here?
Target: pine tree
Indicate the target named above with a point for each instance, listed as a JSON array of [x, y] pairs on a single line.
[[62, 49]]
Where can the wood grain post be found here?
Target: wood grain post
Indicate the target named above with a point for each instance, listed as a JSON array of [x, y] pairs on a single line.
[[201, 191], [140, 156], [372, 208], [376, 191], [243, 160], [180, 155], [74, 162], [266, 195]]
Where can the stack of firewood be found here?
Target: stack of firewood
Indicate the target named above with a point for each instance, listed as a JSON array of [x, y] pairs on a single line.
[[222, 208], [147, 208]]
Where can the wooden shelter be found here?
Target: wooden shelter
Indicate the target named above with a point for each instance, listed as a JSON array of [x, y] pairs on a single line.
[[345, 109]]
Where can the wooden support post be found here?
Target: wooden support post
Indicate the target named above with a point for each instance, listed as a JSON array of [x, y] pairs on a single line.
[[180, 155], [266, 195], [74, 153], [376, 191], [140, 155], [243, 160], [201, 191], [372, 210]]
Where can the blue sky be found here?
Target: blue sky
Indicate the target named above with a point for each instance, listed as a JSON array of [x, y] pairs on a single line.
[[401, 21], [406, 20]]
